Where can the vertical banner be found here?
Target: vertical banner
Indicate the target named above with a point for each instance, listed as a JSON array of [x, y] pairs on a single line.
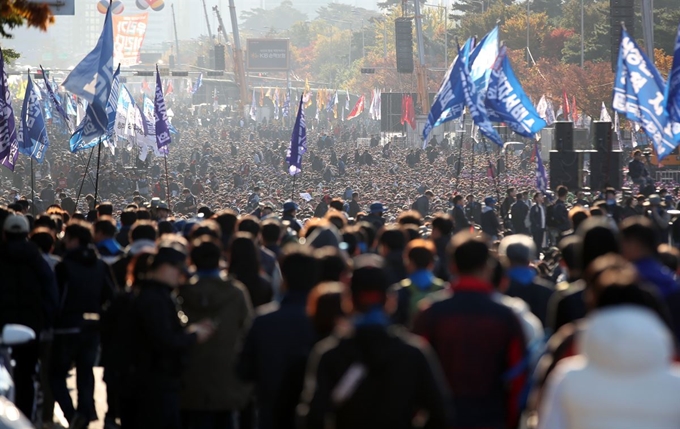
[[128, 36]]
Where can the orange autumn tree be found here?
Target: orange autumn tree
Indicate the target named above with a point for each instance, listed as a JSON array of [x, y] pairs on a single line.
[[15, 13]]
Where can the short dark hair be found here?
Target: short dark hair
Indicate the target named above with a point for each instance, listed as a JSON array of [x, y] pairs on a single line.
[[562, 191], [443, 223], [105, 209], [393, 238], [206, 253], [143, 230], [299, 268], [105, 225], [409, 217], [271, 231], [468, 253], [249, 224], [128, 217], [332, 263], [80, 230], [338, 204], [355, 195], [421, 253], [43, 238], [640, 230], [457, 199], [143, 214]]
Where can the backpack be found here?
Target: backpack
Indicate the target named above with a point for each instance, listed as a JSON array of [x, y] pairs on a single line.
[[550, 220], [416, 294]]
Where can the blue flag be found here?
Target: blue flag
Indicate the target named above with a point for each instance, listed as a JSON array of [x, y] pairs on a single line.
[[673, 90], [449, 102], [541, 177], [507, 102], [474, 99], [197, 84], [33, 139], [639, 95], [9, 145], [81, 139], [161, 114], [56, 100], [298, 143], [286, 104], [91, 79]]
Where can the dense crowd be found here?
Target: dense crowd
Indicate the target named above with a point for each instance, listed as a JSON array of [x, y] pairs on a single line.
[[385, 287]]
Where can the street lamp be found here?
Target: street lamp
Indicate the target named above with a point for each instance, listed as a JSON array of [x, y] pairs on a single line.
[[446, 29]]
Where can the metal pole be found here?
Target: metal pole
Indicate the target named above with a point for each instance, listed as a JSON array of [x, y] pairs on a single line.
[[32, 188], [363, 40], [648, 27], [349, 51], [167, 181], [84, 175], [174, 24], [96, 183], [446, 36], [528, 57], [582, 33]]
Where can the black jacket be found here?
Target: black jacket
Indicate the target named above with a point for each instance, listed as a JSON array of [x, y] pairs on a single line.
[[536, 218], [159, 341], [537, 295], [460, 221], [519, 212], [490, 225], [422, 205], [561, 216], [28, 290], [85, 284], [354, 209], [274, 357], [402, 377]]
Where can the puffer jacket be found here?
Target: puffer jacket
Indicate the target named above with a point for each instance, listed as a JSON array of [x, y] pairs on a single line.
[[623, 379]]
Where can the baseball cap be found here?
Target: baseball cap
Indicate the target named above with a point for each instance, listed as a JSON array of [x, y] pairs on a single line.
[[16, 224], [377, 208], [290, 205]]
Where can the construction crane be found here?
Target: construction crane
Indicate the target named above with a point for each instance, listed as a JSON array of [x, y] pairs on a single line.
[[207, 20], [239, 65]]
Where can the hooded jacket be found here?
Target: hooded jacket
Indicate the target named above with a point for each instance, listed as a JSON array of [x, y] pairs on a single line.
[[209, 381], [623, 379]]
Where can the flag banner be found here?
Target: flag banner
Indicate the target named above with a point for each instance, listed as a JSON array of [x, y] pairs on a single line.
[[128, 36], [474, 100], [308, 94], [91, 79], [286, 104], [112, 110], [298, 142], [408, 112], [170, 88], [358, 108], [550, 113], [335, 105], [449, 102], [541, 176], [507, 102], [604, 114], [347, 99], [639, 94], [126, 116], [86, 135], [161, 113], [542, 108], [276, 104], [70, 107], [56, 100], [574, 112], [216, 104], [9, 144], [673, 90], [566, 110], [197, 84], [33, 140]]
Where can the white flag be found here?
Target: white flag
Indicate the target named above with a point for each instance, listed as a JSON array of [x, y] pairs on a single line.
[[604, 114]]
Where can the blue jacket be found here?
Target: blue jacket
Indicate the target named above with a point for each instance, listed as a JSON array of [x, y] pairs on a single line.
[[653, 272]]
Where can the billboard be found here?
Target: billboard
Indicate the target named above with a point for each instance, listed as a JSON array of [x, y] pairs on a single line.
[[267, 55], [128, 36]]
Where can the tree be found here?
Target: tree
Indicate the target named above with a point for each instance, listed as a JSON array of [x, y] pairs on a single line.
[[278, 19], [17, 13]]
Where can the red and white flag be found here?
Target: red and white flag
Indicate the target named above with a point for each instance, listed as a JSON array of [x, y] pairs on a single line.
[[408, 111], [358, 108]]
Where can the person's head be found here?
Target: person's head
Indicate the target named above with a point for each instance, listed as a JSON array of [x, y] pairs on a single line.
[[517, 250], [143, 230], [44, 238], [419, 255], [637, 155], [598, 238], [577, 215], [227, 219], [470, 198], [520, 196], [369, 287], [77, 234], [244, 259], [458, 200], [169, 265], [299, 269], [15, 227], [409, 217], [377, 209], [569, 249], [511, 192], [355, 196], [638, 238], [105, 209], [562, 192], [391, 239], [104, 228], [539, 198], [290, 208], [326, 306], [337, 204], [272, 231], [250, 224], [206, 253], [610, 195], [489, 201], [670, 257], [442, 226], [429, 194], [469, 256], [128, 217], [334, 266]]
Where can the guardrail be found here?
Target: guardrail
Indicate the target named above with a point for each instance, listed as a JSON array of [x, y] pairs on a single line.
[[668, 176]]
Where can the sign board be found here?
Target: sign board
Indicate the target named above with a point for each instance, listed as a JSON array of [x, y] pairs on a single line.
[[59, 7], [128, 36], [267, 54]]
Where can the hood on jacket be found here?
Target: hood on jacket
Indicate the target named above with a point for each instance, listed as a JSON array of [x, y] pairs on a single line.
[[487, 209], [205, 293], [85, 255], [136, 247], [19, 251], [626, 339]]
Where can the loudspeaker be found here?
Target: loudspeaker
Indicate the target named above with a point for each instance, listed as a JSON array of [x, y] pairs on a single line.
[[390, 112], [403, 30], [564, 136], [606, 170], [172, 61], [566, 168], [602, 136], [581, 141], [620, 11], [219, 58]]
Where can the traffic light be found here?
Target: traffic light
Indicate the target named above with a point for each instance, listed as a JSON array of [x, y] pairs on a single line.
[[403, 30], [620, 11], [367, 71]]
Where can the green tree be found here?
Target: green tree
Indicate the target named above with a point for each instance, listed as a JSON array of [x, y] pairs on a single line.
[[278, 19]]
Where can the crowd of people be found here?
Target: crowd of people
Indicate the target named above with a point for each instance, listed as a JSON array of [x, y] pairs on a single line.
[[376, 290]]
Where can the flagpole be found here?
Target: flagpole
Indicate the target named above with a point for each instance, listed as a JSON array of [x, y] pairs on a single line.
[[96, 183], [292, 192], [84, 175], [459, 169], [493, 173], [167, 181], [32, 188]]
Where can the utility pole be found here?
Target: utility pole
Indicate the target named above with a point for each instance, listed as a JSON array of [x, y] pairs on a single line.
[[174, 24], [582, 33], [528, 51], [648, 27], [239, 65], [207, 21], [421, 71]]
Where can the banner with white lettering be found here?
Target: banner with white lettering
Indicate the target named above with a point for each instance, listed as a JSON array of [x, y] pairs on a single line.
[[128, 36]]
